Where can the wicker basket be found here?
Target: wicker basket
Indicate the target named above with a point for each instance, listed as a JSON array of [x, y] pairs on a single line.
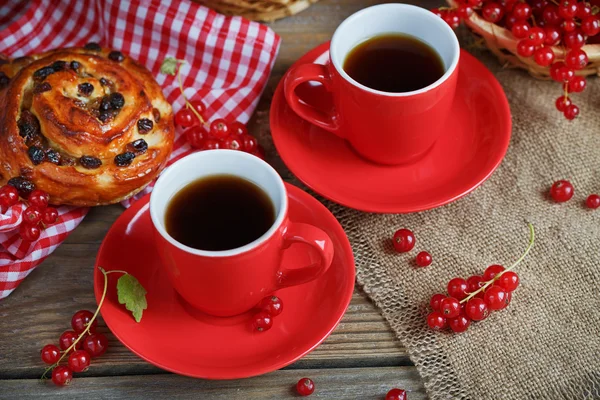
[[258, 10], [503, 44]]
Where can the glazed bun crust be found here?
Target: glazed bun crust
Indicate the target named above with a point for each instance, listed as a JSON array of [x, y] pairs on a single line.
[[89, 126]]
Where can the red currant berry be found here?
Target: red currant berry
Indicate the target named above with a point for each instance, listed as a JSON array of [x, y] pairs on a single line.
[[525, 48], [81, 319], [522, 11], [457, 288], [199, 106], [423, 259], [508, 298], [305, 387], [32, 215], [568, 25], [61, 375], [219, 129], [459, 324], [436, 11], [396, 394], [476, 309], [562, 191], [543, 56], [404, 240], [565, 74], [9, 196], [434, 303], [436, 321], [593, 201], [50, 354], [520, 29], [553, 36], [538, 5], [491, 272], [509, 21], [474, 283], [495, 298], [554, 70], [271, 304], [262, 321], [79, 361], [574, 40], [583, 10], [475, 3], [95, 344], [50, 216], [492, 12], [250, 143], [39, 199], [508, 281], [550, 15], [196, 135], [567, 8], [185, 118], [236, 128], [211, 144], [233, 143], [67, 338], [464, 11], [562, 103], [508, 5], [450, 307], [537, 35], [571, 112], [591, 25], [577, 85], [576, 59], [29, 233], [451, 19]]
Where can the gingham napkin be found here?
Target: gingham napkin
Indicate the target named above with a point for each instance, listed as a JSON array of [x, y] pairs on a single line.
[[228, 61]]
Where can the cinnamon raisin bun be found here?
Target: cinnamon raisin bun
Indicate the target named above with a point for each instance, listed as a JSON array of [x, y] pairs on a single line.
[[89, 126]]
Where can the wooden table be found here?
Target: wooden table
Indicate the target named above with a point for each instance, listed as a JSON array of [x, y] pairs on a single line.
[[362, 359]]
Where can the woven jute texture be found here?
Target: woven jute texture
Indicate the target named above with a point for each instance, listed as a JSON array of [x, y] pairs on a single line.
[[546, 344]]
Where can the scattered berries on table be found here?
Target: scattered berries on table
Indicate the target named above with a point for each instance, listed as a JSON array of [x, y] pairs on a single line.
[[305, 387], [562, 191], [423, 259], [593, 201], [396, 394], [475, 298], [404, 240]]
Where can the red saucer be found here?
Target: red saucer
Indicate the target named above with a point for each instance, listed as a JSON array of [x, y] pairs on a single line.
[[176, 338], [475, 143]]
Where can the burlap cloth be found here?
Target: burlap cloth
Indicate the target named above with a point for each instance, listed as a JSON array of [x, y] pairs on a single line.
[[546, 344]]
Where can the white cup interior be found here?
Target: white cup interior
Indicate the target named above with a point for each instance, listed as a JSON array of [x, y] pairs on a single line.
[[395, 18], [217, 162]]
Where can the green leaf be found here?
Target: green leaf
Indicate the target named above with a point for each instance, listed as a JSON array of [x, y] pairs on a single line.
[[133, 295], [170, 65]]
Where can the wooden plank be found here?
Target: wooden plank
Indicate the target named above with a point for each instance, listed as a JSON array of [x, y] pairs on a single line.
[[339, 384]]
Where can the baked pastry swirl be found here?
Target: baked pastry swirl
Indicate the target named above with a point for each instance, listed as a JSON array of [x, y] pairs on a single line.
[[89, 126]]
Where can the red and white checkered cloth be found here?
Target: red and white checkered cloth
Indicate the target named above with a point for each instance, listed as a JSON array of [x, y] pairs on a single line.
[[228, 62]]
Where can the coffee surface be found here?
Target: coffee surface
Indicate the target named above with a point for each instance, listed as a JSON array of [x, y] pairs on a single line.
[[394, 63], [219, 212]]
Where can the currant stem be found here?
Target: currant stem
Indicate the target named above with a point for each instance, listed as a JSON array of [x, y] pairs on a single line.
[[187, 103], [87, 329], [491, 281]]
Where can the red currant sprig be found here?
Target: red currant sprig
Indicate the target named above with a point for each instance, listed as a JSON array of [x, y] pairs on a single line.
[[202, 135], [81, 344], [473, 299]]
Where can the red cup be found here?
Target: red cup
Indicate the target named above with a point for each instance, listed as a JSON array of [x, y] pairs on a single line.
[[387, 128], [227, 283]]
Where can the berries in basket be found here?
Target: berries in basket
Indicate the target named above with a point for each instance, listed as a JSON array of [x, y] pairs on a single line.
[[550, 39]]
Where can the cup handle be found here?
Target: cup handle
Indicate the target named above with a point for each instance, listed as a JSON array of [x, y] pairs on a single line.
[[304, 73], [319, 241]]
